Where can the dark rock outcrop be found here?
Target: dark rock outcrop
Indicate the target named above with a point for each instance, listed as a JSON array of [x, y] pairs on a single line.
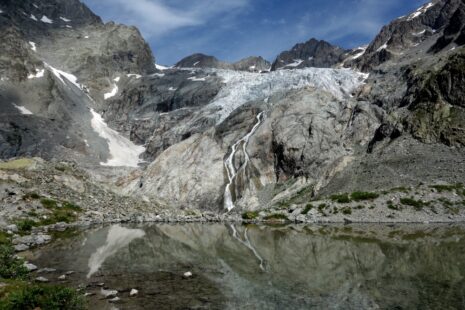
[[251, 64], [312, 53]]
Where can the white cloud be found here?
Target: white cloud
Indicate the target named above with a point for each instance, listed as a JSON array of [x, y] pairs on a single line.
[[157, 18]]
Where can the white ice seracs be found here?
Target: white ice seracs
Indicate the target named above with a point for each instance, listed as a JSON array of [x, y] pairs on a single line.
[[243, 87], [123, 153]]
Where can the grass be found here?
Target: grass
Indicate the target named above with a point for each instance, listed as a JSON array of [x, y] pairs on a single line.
[[340, 198], [391, 206], [361, 196], [11, 267], [49, 203], [250, 215], [276, 217], [417, 204], [4, 238]]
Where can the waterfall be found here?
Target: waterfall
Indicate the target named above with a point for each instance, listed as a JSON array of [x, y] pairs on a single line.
[[229, 163]]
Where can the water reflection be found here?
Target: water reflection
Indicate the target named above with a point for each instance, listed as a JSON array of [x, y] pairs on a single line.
[[321, 267], [118, 237]]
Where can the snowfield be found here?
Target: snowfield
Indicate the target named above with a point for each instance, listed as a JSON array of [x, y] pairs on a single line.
[[242, 87]]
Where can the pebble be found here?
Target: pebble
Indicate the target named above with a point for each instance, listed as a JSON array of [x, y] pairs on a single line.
[[116, 299], [46, 270], [133, 292], [21, 247], [62, 277], [108, 293], [187, 274]]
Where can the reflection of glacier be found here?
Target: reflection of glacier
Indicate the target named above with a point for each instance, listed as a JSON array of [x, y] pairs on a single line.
[[118, 237], [249, 245]]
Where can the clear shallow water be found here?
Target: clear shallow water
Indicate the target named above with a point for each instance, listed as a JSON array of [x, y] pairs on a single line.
[[261, 267]]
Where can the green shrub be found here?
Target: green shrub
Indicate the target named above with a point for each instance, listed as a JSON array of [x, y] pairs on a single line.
[[276, 217], [393, 207], [447, 188], [11, 267], [250, 215], [31, 196], [25, 226], [417, 204], [360, 207], [49, 203], [341, 198], [71, 206], [45, 297], [346, 211], [360, 196], [335, 210], [307, 209], [4, 238]]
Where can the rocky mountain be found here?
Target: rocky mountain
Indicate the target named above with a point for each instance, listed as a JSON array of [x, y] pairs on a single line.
[[251, 64], [207, 135], [313, 53]]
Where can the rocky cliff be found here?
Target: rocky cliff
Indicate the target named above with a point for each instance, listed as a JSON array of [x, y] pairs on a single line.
[[209, 135]]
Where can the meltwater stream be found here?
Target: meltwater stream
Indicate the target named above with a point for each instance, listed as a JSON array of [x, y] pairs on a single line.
[[229, 163], [307, 266]]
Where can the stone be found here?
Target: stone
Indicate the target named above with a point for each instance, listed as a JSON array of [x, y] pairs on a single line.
[[62, 277], [13, 228], [46, 270], [133, 292], [30, 267], [187, 274], [108, 293], [41, 279], [115, 299], [21, 247]]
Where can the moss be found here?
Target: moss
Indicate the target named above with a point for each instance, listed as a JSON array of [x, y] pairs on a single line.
[[250, 215], [360, 207], [340, 198], [17, 164], [393, 207], [335, 210], [4, 238], [417, 204], [31, 196], [72, 207], [276, 217], [307, 209], [360, 196]]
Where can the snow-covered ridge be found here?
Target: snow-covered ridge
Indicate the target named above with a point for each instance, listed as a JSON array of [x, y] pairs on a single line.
[[420, 11], [242, 87]]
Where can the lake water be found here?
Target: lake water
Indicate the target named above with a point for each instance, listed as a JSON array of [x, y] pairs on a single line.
[[265, 267]]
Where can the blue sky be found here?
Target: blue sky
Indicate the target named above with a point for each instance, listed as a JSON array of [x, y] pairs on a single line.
[[234, 29]]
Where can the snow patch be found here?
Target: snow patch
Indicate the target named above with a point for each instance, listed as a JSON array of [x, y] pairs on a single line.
[[39, 74], [86, 37], [243, 87], [1, 11], [33, 46], [23, 110], [33, 17], [361, 53], [196, 79], [46, 20], [420, 11], [122, 151], [296, 63], [382, 47], [137, 76], [68, 76], [195, 64], [65, 19], [419, 33], [111, 94], [160, 67], [117, 79], [172, 89]]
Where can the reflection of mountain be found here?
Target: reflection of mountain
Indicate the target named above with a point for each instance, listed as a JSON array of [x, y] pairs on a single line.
[[118, 237], [322, 267]]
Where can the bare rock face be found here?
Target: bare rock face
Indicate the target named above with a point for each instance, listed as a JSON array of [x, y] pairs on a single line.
[[312, 53]]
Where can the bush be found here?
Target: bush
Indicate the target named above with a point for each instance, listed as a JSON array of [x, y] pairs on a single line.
[[250, 215], [417, 204], [347, 211], [49, 203], [276, 217], [31, 196], [359, 196], [43, 297], [72, 207], [25, 226], [341, 198], [307, 209], [11, 267], [447, 188]]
